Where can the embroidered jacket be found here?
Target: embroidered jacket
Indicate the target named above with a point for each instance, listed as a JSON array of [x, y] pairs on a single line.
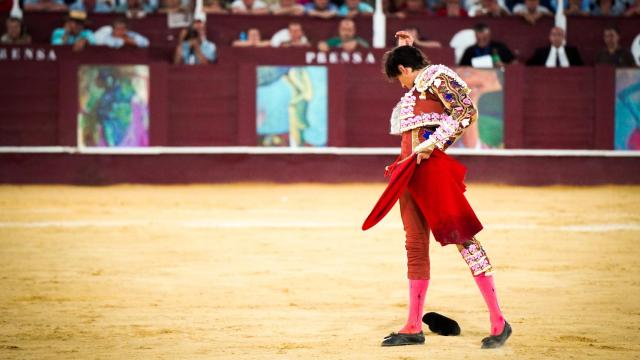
[[438, 100]]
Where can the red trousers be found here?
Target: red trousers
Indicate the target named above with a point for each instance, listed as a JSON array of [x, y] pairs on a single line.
[[433, 190], [415, 226], [417, 238]]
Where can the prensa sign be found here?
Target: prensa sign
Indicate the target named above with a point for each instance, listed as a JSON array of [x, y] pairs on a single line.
[[27, 53], [343, 57]]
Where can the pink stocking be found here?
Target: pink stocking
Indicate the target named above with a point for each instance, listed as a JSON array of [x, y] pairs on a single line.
[[417, 293], [488, 290]]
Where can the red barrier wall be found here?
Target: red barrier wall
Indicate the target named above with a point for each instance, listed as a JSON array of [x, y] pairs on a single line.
[[29, 98], [203, 168], [215, 105], [559, 108], [202, 106]]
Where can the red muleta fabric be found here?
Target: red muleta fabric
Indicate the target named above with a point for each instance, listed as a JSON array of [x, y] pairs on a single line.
[[437, 186]]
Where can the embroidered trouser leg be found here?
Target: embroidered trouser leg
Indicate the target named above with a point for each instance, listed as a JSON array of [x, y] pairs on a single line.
[[417, 238], [476, 258]]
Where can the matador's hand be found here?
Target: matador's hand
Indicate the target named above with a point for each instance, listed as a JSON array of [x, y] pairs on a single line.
[[404, 38], [422, 156]]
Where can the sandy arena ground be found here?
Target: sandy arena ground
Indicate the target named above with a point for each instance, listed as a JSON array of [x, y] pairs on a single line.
[[253, 271]]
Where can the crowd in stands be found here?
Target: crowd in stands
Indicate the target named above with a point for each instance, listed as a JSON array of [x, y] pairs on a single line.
[[530, 10], [193, 47]]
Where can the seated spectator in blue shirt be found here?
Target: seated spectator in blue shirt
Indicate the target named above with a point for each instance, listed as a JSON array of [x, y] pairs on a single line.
[[352, 8], [44, 5], [194, 48], [73, 33], [119, 35], [321, 8]]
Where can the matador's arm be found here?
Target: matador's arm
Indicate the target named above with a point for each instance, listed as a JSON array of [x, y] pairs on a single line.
[[459, 109]]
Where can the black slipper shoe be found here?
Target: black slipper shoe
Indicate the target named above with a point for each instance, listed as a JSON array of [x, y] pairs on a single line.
[[441, 324], [396, 339], [496, 341]]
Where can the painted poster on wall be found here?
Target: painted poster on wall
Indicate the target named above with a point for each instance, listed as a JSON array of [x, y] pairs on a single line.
[[113, 106], [627, 110], [487, 93], [292, 106]]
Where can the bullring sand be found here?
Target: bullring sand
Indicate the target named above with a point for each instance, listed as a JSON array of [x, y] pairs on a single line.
[[264, 271]]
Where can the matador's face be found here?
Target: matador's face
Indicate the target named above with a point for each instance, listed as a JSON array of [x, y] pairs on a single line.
[[406, 77]]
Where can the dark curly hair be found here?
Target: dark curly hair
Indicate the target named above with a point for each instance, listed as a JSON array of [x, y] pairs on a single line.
[[407, 56]]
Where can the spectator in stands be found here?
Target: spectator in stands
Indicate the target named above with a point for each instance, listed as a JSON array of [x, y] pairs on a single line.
[[556, 54], [287, 7], [252, 7], [484, 46], [607, 8], [488, 8], [321, 8], [419, 41], [394, 7], [633, 9], [193, 47], [414, 8], [468, 4], [435, 5], [44, 5], [16, 33], [531, 11], [73, 33], [347, 39], [353, 8], [579, 7], [104, 6], [101, 6], [452, 8], [214, 7], [137, 9], [173, 6], [118, 35], [254, 39], [292, 36], [574, 7], [613, 53]]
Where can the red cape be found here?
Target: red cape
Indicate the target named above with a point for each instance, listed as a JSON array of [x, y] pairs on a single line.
[[437, 187]]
